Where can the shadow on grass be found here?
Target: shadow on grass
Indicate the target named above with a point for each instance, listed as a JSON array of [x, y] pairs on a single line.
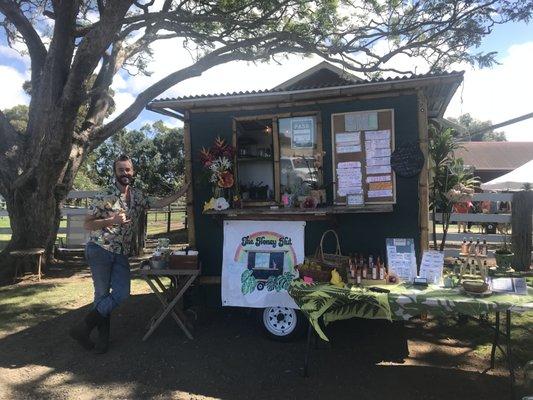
[[229, 359]]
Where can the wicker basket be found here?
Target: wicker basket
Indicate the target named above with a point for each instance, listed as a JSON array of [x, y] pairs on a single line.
[[332, 260]]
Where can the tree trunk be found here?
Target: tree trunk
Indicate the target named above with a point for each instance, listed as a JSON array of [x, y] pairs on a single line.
[[34, 217], [445, 227]]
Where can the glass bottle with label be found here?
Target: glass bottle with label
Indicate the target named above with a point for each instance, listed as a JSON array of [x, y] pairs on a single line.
[[464, 247], [382, 273]]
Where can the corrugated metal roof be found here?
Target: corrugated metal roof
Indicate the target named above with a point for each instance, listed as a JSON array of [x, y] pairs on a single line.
[[319, 85], [495, 155]]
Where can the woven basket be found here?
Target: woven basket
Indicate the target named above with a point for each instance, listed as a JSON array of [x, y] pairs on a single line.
[[332, 260]]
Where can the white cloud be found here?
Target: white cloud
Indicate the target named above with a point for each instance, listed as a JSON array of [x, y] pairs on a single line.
[[11, 82], [500, 93]]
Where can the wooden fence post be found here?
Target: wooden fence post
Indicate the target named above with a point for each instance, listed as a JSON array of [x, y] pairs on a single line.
[[168, 219], [522, 207]]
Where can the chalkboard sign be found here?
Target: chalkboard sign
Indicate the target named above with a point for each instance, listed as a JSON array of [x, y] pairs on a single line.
[[362, 144], [407, 160]]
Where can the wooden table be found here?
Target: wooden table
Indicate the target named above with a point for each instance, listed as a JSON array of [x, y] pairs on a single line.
[[21, 253], [180, 281]]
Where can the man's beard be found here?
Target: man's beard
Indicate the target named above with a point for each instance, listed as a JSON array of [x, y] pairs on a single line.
[[125, 180]]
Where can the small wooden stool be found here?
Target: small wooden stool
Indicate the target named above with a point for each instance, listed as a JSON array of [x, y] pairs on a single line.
[[26, 253]]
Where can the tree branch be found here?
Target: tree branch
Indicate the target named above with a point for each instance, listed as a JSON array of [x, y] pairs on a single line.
[[94, 44]]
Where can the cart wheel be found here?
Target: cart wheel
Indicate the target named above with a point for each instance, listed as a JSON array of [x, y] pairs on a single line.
[[282, 324], [260, 286]]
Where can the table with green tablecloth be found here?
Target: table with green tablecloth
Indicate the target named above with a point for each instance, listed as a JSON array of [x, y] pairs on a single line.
[[324, 302]]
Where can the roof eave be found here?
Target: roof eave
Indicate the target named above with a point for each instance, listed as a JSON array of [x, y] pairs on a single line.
[[181, 105]]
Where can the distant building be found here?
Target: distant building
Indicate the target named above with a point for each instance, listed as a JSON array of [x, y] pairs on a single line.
[[493, 159]]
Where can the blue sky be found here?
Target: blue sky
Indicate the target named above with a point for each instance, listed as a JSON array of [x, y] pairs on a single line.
[[496, 94]]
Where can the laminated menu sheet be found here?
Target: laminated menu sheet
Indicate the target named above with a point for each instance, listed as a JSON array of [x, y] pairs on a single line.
[[401, 258], [432, 266]]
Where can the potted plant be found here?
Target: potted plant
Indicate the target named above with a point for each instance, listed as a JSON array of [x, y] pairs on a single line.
[[504, 255]]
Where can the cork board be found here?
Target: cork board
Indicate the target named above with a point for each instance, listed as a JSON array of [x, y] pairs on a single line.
[[362, 144]]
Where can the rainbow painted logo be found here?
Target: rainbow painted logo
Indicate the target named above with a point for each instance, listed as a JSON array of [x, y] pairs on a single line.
[[265, 241]]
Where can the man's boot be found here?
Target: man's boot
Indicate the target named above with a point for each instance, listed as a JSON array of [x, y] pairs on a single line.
[[102, 343], [81, 332]]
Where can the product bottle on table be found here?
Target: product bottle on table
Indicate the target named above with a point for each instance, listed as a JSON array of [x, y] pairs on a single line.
[[464, 247], [381, 268], [471, 246]]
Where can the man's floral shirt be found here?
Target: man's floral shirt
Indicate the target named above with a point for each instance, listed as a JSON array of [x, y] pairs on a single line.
[[118, 238]]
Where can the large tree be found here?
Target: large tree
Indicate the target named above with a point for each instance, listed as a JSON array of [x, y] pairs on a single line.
[[76, 48]]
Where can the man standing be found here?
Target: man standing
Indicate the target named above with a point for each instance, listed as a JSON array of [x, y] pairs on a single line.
[[112, 219]]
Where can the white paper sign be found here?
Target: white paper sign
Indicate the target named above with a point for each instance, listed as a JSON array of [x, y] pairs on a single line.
[[378, 161], [378, 153], [302, 133], [379, 193], [431, 266], [377, 135], [361, 121], [349, 164], [401, 258], [377, 144], [256, 255], [378, 178], [348, 149], [355, 200], [354, 172], [351, 137], [345, 191], [381, 169]]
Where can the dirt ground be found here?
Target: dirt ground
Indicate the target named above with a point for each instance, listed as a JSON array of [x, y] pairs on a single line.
[[230, 359]]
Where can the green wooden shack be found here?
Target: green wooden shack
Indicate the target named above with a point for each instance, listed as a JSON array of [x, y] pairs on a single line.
[[323, 133]]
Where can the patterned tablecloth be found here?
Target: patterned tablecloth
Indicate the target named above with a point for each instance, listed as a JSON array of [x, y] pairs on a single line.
[[403, 302]]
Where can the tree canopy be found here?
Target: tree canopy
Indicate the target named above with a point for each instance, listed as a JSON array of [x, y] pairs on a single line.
[[156, 151]]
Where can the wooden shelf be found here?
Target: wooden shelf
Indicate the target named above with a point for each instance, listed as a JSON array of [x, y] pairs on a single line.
[[296, 213], [260, 159]]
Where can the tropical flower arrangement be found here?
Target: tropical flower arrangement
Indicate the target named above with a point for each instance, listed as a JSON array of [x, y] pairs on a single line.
[[218, 165]]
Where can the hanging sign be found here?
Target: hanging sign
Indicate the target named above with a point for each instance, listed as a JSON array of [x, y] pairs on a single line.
[[258, 262], [303, 133]]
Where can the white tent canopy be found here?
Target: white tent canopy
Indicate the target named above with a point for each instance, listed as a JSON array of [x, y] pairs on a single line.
[[513, 180]]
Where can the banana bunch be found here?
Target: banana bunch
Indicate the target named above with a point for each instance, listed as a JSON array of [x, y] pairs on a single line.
[[336, 279]]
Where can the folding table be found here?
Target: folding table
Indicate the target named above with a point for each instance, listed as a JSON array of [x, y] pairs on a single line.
[[180, 281]]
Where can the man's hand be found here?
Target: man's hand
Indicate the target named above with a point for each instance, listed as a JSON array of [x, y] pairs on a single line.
[[120, 218]]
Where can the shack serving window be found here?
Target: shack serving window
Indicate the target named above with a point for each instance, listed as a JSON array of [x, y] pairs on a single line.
[[277, 155]]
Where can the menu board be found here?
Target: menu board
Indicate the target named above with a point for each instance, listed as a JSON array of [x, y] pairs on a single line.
[[401, 258], [363, 142]]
